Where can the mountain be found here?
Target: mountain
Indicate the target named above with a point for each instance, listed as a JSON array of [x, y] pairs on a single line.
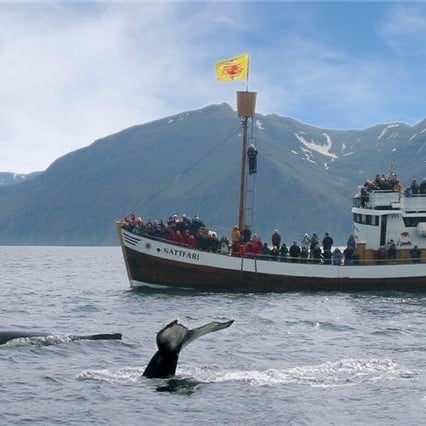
[[189, 163]]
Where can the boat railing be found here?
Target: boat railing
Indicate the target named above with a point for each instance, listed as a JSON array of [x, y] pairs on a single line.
[[377, 199], [289, 259], [357, 202], [388, 199], [383, 198], [414, 203], [343, 262]]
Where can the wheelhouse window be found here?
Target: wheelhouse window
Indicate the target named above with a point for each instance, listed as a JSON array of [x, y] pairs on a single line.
[[366, 219]]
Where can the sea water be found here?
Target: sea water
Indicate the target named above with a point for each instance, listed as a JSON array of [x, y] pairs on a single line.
[[289, 359]]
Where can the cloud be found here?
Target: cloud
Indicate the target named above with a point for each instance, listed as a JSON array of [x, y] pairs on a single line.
[[322, 83], [403, 28], [74, 72]]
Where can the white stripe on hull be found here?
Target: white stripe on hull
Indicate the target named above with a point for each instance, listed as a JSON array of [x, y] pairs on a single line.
[[171, 252]]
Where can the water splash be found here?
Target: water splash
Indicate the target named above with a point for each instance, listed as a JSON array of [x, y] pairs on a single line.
[[330, 374], [53, 339], [121, 375], [346, 372]]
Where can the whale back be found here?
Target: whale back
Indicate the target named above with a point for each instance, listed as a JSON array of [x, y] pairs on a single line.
[[6, 336]]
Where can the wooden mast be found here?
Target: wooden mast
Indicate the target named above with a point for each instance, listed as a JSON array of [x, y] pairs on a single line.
[[246, 105]]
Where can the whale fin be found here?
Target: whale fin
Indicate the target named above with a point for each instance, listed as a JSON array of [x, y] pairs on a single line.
[[170, 341], [205, 329]]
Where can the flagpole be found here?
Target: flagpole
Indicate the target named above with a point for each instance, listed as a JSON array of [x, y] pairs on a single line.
[[246, 105], [237, 68]]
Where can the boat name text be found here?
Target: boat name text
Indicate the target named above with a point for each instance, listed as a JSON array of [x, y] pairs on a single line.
[[181, 253]]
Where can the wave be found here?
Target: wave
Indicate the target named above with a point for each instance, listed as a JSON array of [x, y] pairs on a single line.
[[330, 374], [345, 372], [121, 375]]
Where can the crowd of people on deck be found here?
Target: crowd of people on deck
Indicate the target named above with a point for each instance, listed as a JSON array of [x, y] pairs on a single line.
[[390, 183], [416, 188], [387, 254], [184, 231], [310, 250], [384, 183], [191, 232]]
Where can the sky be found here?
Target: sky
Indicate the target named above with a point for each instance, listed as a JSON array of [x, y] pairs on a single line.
[[74, 72]]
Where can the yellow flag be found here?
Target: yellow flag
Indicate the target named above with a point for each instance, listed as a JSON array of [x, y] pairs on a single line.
[[233, 69]]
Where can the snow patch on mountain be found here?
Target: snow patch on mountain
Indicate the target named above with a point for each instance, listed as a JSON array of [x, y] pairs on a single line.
[[259, 125], [320, 149], [308, 155], [416, 134], [386, 129]]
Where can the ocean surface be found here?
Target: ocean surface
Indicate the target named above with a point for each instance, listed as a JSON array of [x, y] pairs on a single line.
[[289, 359]]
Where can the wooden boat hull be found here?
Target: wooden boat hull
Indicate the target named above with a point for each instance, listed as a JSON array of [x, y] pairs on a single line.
[[158, 264]]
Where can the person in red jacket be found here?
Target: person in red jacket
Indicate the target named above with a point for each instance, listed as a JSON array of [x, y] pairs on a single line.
[[250, 249], [178, 238], [257, 243], [192, 242]]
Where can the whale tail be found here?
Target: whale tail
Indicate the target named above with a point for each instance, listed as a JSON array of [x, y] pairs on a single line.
[[170, 341]]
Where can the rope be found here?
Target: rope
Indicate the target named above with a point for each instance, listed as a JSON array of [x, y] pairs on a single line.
[[190, 167]]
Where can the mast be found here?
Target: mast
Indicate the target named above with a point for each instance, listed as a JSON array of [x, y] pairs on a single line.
[[246, 105]]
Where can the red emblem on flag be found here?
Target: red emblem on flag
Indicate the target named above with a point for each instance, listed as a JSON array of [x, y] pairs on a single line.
[[233, 69]]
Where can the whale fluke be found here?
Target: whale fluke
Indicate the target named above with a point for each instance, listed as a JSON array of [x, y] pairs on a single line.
[[6, 336], [170, 341]]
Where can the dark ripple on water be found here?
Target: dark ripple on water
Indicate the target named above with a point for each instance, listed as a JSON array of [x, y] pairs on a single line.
[[287, 359]]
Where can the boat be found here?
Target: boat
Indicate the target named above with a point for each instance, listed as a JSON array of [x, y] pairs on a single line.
[[382, 217]]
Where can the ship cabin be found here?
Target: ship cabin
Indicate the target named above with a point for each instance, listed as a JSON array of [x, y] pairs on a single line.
[[381, 217]]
